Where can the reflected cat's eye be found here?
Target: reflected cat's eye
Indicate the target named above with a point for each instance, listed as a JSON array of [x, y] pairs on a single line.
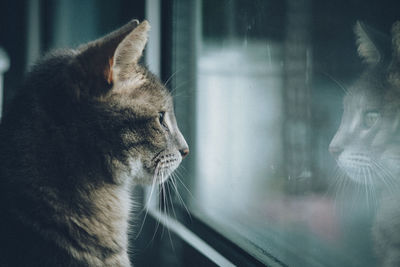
[[370, 118]]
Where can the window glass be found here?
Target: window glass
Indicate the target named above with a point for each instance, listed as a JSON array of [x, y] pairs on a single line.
[[261, 88]]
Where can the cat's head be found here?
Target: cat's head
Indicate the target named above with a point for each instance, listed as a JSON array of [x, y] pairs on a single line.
[[367, 143], [130, 109]]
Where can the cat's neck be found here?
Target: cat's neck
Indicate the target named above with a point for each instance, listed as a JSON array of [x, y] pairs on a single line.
[[106, 223]]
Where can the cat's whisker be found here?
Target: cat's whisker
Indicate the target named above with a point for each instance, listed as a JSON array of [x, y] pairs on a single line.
[[167, 211], [387, 177], [362, 177], [164, 201], [153, 185], [372, 186], [173, 210], [157, 221], [176, 178], [182, 168], [335, 187], [189, 91], [170, 198], [345, 90], [343, 185], [162, 209], [185, 187], [172, 75], [341, 182], [357, 190], [182, 93], [181, 199], [170, 239], [145, 206], [166, 187], [333, 181], [367, 186], [373, 191], [382, 175], [333, 184]]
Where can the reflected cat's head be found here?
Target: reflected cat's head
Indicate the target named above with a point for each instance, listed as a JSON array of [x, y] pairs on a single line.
[[367, 143]]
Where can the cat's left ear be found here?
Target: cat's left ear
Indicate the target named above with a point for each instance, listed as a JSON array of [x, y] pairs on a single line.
[[102, 61], [373, 46], [128, 53]]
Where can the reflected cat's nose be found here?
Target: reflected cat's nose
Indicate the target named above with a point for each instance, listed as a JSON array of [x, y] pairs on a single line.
[[184, 152], [335, 151]]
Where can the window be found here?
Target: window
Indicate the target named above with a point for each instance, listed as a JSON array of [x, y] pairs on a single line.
[[258, 88]]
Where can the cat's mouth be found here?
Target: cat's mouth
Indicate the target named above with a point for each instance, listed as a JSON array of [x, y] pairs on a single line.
[[357, 166], [165, 164], [355, 160]]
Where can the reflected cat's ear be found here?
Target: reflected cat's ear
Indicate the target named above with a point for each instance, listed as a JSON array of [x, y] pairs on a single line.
[[373, 46], [396, 39], [129, 51], [95, 60], [394, 69]]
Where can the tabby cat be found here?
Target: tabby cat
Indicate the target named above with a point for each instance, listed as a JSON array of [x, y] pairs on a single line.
[[85, 126], [367, 143]]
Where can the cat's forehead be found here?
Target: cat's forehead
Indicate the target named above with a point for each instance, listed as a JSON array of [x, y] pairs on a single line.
[[146, 89], [369, 90], [360, 100], [155, 93]]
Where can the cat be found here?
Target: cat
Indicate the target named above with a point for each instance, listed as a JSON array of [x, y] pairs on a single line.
[[87, 124], [367, 144]]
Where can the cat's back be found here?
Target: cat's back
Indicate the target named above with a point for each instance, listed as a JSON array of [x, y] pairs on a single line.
[[24, 154], [22, 246]]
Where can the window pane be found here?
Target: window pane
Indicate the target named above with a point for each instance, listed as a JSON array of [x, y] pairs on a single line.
[[266, 82]]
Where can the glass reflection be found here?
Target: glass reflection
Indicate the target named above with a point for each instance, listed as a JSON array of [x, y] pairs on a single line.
[[270, 173], [367, 143]]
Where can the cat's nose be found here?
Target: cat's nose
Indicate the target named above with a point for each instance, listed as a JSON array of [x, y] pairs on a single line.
[[335, 151], [184, 152]]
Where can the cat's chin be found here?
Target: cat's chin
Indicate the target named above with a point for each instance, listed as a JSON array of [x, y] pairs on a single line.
[[364, 169], [359, 175], [166, 163], [358, 167], [158, 176], [159, 172]]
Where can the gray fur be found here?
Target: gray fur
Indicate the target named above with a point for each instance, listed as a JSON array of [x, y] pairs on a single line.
[[85, 126], [366, 47], [367, 143]]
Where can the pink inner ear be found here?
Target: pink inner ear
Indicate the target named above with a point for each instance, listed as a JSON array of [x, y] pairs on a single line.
[[108, 72]]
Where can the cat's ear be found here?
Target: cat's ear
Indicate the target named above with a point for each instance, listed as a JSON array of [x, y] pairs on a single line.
[[128, 52], [373, 46], [396, 39], [394, 67], [95, 60]]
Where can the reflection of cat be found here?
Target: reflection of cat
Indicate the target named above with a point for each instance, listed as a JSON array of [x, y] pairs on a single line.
[[367, 143], [86, 124]]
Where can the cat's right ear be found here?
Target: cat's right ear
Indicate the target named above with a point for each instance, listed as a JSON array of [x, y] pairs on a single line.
[[396, 39], [394, 70], [373, 46]]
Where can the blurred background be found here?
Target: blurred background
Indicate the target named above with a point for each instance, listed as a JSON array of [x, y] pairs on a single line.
[[258, 89]]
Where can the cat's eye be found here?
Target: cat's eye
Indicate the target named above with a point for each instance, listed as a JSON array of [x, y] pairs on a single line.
[[370, 118], [161, 118]]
